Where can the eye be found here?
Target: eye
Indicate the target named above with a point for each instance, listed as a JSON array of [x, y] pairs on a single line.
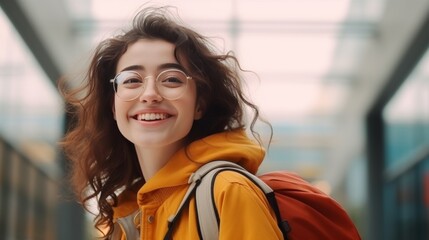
[[172, 79], [132, 80], [172, 82], [129, 80]]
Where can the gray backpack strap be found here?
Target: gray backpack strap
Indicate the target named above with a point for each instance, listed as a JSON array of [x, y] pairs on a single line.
[[193, 184], [126, 226], [194, 181], [206, 208]]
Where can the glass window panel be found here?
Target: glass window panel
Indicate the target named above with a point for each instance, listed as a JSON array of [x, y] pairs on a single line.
[[407, 116], [31, 110], [424, 201], [407, 206], [390, 209]]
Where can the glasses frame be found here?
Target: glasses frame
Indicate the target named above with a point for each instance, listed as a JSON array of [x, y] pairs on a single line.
[[143, 87]]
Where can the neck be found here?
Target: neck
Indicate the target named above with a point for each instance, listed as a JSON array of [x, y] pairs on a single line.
[[153, 159]]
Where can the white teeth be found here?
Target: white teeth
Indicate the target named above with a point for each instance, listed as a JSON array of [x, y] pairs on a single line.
[[151, 116]]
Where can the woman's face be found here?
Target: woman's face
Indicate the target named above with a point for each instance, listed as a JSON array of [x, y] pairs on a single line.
[[151, 120]]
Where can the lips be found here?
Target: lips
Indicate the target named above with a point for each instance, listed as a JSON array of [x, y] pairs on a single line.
[[151, 116]]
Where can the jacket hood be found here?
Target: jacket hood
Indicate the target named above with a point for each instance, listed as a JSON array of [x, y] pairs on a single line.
[[234, 146]]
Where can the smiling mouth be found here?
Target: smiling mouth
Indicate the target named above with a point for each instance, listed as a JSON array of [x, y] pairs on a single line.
[[151, 116]]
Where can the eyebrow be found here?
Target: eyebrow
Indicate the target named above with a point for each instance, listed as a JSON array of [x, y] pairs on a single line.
[[159, 68]]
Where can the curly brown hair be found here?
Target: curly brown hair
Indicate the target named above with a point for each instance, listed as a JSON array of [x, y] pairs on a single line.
[[103, 161]]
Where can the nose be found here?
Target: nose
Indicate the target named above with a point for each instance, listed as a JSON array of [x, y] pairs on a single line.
[[150, 92]]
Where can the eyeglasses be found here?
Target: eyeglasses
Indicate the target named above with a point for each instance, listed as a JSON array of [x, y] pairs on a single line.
[[170, 84]]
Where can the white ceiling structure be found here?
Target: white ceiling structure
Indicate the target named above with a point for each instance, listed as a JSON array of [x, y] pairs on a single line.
[[320, 63]]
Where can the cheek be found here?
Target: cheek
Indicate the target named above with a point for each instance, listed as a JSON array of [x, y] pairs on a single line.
[[191, 113], [186, 120], [119, 111]]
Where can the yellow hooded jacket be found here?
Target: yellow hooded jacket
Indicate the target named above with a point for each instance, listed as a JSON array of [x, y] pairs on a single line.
[[243, 210]]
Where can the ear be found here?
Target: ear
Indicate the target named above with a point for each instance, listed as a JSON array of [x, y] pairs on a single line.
[[198, 114], [114, 111]]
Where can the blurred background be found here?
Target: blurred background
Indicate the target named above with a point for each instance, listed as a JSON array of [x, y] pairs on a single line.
[[345, 84]]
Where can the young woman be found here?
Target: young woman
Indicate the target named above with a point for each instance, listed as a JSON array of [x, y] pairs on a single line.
[[159, 103]]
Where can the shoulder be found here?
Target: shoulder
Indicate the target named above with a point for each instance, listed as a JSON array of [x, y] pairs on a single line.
[[228, 177], [234, 193], [232, 183]]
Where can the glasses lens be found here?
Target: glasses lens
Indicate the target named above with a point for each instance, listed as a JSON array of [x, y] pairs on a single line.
[[128, 85], [172, 84]]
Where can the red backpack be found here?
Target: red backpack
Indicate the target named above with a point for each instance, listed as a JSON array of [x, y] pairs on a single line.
[[303, 211]]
